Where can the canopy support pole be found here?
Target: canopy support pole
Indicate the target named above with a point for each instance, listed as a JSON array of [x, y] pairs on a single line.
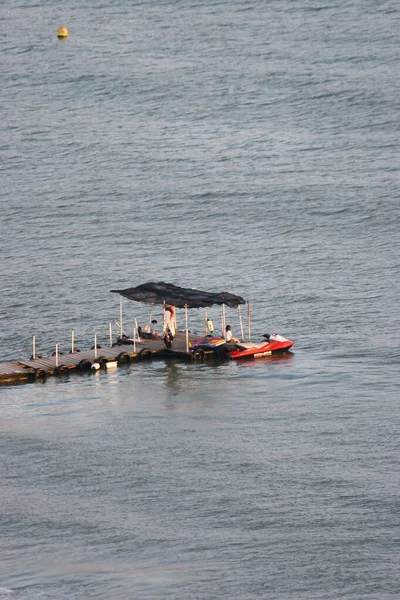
[[187, 328], [223, 318], [72, 341], [164, 320], [241, 323], [120, 316], [56, 355], [135, 328], [95, 345], [248, 317], [34, 347]]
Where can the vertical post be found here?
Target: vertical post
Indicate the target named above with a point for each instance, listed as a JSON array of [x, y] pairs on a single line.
[[110, 330], [164, 316], [34, 347], [248, 317], [135, 331], [95, 345], [72, 341], [56, 355], [187, 328], [120, 316], [223, 321], [241, 323]]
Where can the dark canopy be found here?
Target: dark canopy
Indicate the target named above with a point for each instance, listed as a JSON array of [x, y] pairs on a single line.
[[160, 292]]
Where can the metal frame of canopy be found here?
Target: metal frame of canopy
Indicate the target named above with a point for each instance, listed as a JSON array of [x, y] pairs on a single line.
[[162, 294]]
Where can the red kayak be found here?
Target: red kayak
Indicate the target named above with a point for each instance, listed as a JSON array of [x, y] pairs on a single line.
[[272, 344]]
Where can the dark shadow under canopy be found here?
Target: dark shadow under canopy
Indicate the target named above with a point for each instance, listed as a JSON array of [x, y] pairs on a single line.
[[160, 292]]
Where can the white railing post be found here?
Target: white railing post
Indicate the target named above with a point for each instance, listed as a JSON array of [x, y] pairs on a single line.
[[164, 319], [248, 316], [187, 328], [72, 341], [241, 323], [120, 316], [95, 345], [34, 347], [56, 355]]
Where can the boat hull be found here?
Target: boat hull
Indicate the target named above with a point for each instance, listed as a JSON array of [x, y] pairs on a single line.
[[260, 350]]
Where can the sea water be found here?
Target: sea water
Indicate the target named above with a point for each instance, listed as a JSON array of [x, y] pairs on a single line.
[[249, 147]]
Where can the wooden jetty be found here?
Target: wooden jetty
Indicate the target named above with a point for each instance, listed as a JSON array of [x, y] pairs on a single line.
[[185, 345], [39, 368]]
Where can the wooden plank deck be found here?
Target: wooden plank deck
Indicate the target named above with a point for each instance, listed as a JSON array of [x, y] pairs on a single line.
[[14, 371], [29, 370]]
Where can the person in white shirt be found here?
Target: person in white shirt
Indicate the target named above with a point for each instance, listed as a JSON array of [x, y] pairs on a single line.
[[228, 335], [153, 328]]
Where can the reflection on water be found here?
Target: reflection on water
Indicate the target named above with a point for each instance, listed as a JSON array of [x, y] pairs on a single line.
[[260, 363], [172, 372]]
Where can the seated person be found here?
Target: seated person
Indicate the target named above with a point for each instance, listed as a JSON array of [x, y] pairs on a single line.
[[153, 328], [150, 331], [228, 335]]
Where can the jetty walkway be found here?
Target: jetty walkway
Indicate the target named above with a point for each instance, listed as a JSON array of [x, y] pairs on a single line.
[[39, 368]]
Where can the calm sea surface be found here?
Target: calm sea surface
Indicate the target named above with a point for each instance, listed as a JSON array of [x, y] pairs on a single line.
[[244, 146]]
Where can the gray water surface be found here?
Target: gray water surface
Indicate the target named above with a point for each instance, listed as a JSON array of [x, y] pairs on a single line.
[[247, 147]]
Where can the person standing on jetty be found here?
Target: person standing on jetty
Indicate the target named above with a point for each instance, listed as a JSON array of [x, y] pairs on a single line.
[[210, 327], [170, 319], [167, 338], [169, 326]]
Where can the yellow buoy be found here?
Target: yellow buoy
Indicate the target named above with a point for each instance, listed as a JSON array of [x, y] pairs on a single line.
[[62, 32]]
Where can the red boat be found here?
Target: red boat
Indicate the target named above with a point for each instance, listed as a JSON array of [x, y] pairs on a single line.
[[168, 294], [272, 344]]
